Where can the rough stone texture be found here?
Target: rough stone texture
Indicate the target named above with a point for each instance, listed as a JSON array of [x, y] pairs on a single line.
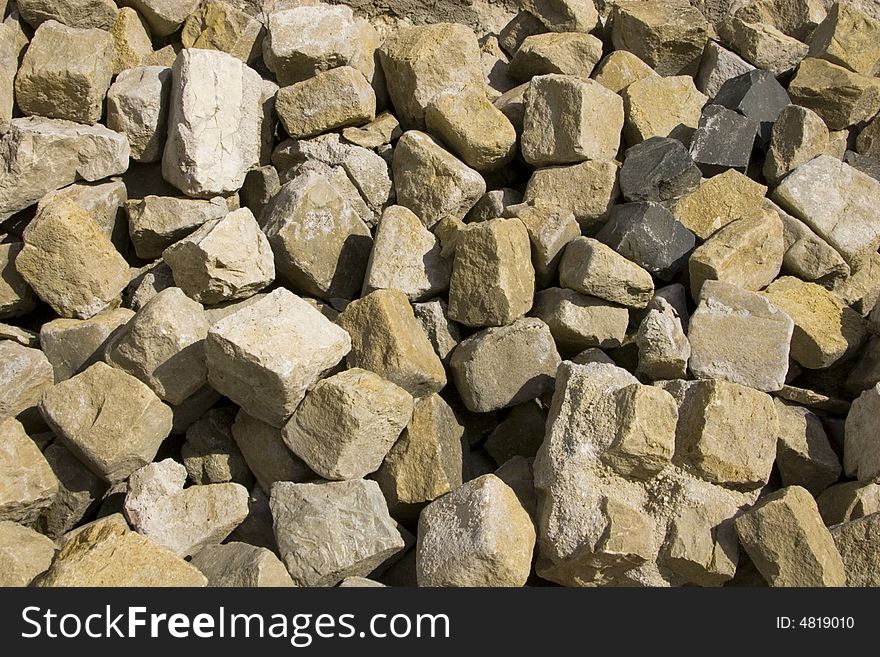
[[41, 155], [387, 339], [131, 39], [619, 69], [264, 356], [16, 296], [65, 73], [803, 454], [94, 410], [848, 37], [182, 520], [848, 501], [842, 98], [650, 236], [579, 322], [214, 119], [137, 107], [163, 346], [478, 132], [723, 140], [223, 260], [10, 47], [739, 336], [566, 53], [241, 565], [260, 186], [432, 182], [79, 491], [157, 222], [788, 543], [210, 455], [407, 257], [825, 189], [658, 169], [381, 131], [594, 269], [868, 141], [860, 454], [108, 553], [747, 253], [588, 190], [664, 349], [304, 40], [327, 532], [426, 461], [75, 13], [492, 279], [219, 25], [668, 35], [27, 483], [717, 66], [756, 95], [332, 99], [807, 255], [164, 16], [347, 423], [550, 228], [70, 263], [442, 333], [661, 107], [563, 15], [591, 131], [25, 374], [505, 366], [479, 535], [825, 329], [762, 45], [24, 554], [798, 135], [856, 541], [422, 60], [519, 435], [718, 201], [103, 201]]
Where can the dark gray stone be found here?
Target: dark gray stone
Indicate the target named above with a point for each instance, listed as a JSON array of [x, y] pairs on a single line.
[[757, 95], [863, 163], [658, 169], [650, 236], [723, 140]]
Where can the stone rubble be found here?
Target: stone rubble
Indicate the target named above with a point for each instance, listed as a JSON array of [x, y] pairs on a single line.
[[579, 292]]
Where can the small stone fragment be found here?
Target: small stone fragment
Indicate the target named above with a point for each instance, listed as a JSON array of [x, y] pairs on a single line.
[[518, 29], [387, 339], [260, 186], [182, 520], [264, 356], [492, 279], [565, 53], [868, 141], [16, 296], [27, 484], [717, 67], [24, 554], [860, 455], [79, 492], [762, 45], [580, 322], [241, 565], [406, 256], [519, 435], [65, 73], [588, 190], [25, 374], [739, 336], [563, 15], [747, 253], [669, 36], [382, 130], [650, 236], [70, 263], [493, 204], [329, 531], [107, 553], [658, 169], [550, 229], [619, 69], [210, 455], [807, 255], [787, 541], [219, 25], [661, 107], [474, 128], [347, 423], [478, 535], [723, 140], [590, 132], [432, 182], [223, 260], [842, 98], [594, 269], [108, 419], [848, 501], [664, 349], [265, 453], [505, 366], [137, 106], [825, 329], [856, 541], [443, 333], [797, 137], [157, 222], [718, 201], [164, 16], [803, 454], [103, 201]]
